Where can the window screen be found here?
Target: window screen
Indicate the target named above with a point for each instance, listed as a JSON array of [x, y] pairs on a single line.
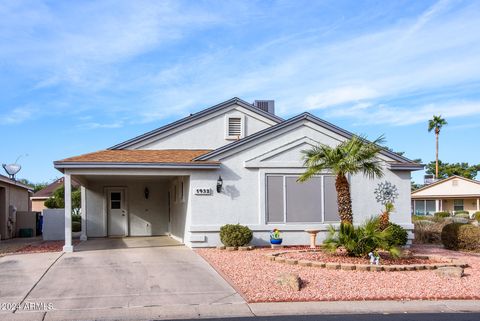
[[430, 207], [331, 206], [275, 210], [288, 201], [419, 207], [458, 205], [304, 200]]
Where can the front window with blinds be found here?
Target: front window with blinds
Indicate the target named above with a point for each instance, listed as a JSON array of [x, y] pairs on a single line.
[[289, 201], [234, 127], [458, 205]]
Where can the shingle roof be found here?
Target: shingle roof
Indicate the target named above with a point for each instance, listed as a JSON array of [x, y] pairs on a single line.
[[48, 190], [167, 156]]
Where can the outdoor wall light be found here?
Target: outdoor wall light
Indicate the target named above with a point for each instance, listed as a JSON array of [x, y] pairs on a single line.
[[146, 192], [219, 184]]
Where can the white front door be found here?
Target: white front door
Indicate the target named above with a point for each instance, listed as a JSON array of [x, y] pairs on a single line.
[[117, 213]]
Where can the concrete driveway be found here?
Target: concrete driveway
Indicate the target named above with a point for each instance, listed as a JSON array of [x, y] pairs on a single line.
[[135, 274]]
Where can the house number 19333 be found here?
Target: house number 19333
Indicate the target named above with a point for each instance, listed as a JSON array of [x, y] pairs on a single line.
[[203, 191]]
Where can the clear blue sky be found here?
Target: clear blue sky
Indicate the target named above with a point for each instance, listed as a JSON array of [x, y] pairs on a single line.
[[80, 76]]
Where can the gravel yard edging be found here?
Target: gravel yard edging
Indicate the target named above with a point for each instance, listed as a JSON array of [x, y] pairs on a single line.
[[276, 257]]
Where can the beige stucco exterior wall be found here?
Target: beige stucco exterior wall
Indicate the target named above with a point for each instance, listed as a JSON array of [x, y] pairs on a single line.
[[11, 195], [38, 205], [449, 188], [469, 204]]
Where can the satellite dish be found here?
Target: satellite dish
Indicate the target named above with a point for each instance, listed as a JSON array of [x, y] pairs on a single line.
[[13, 169]]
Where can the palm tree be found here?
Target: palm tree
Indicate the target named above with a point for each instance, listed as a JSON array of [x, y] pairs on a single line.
[[437, 122], [356, 155]]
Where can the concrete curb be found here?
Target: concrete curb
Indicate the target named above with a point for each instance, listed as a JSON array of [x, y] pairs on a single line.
[[363, 307], [169, 312]]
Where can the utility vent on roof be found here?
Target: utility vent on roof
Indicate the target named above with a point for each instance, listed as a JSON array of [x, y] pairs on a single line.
[[265, 105], [234, 127]]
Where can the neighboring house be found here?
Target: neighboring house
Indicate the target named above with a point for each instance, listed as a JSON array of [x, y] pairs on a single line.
[[452, 194], [14, 197], [164, 182], [38, 199]]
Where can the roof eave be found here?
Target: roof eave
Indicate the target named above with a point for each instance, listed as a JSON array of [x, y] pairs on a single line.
[[109, 165], [406, 167]]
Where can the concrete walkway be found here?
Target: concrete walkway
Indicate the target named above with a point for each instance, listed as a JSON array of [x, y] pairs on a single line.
[[102, 278]]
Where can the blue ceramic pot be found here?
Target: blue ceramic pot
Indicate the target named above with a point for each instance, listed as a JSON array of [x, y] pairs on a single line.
[[276, 241]]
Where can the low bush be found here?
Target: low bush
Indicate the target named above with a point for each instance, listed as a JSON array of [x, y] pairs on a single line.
[[398, 235], [235, 235], [441, 214], [458, 236], [463, 215], [76, 226], [476, 216], [361, 240], [428, 231]]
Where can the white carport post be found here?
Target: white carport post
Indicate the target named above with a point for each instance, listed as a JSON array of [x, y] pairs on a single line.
[[68, 213], [83, 236]]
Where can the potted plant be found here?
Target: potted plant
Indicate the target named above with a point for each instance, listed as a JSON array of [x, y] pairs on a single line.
[[275, 237]]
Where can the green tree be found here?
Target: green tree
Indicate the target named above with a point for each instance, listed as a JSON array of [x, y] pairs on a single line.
[[436, 123], [449, 169], [57, 200], [356, 155], [35, 186]]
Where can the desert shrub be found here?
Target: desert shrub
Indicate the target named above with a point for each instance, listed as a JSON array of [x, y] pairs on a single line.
[[441, 214], [476, 216], [76, 226], [428, 231], [398, 235], [461, 212], [235, 235], [457, 236], [463, 215], [361, 240]]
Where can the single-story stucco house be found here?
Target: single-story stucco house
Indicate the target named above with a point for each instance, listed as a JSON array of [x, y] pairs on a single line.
[[234, 162], [452, 194], [14, 198]]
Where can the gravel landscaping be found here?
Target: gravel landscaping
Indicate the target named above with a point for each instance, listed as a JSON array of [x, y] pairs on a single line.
[[321, 256], [256, 278]]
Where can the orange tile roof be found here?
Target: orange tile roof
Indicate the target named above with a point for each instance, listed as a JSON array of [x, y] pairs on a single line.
[[176, 156]]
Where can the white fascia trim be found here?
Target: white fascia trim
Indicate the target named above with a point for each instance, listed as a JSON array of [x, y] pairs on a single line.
[[137, 165]]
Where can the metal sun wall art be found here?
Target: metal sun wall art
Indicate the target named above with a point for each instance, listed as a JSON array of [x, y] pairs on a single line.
[[386, 193]]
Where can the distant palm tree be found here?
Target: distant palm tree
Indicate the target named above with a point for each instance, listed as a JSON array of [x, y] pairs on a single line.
[[356, 155], [437, 122]]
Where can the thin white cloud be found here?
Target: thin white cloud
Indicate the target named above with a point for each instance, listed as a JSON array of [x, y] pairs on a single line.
[[95, 125], [97, 51], [17, 116], [396, 116]]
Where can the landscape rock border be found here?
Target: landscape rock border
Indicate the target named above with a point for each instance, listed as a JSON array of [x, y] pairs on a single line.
[[448, 262]]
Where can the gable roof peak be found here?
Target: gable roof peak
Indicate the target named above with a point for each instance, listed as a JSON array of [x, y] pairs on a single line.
[[197, 115]]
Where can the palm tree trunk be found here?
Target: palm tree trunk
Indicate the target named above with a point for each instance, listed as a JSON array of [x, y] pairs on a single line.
[[344, 199], [436, 154]]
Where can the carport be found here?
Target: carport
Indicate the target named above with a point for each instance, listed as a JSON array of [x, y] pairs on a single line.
[[131, 192]]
